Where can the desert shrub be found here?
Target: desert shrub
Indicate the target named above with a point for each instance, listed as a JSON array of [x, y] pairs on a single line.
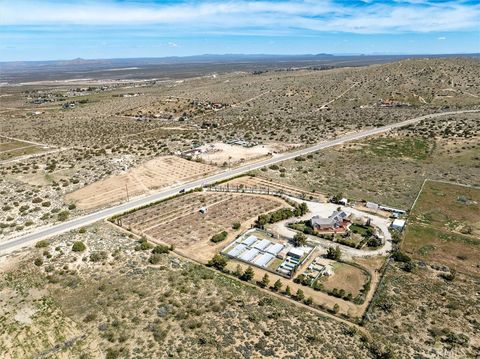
[[155, 258], [236, 225], [63, 215], [143, 245], [401, 257], [160, 249], [219, 237], [38, 262], [42, 244], [98, 256], [79, 246]]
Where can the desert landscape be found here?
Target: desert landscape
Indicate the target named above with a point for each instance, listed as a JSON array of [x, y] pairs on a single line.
[[266, 211]]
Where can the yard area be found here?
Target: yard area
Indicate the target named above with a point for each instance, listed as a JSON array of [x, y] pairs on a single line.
[[345, 276], [445, 226]]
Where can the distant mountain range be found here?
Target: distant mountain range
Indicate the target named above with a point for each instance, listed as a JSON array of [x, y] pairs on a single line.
[[205, 58], [175, 67]]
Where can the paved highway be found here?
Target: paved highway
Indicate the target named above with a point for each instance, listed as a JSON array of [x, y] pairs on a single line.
[[78, 222]]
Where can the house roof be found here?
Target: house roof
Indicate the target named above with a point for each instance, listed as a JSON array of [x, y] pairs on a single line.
[[320, 221], [296, 251]]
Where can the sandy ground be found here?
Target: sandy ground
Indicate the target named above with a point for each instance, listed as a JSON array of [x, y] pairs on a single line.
[[220, 153], [157, 173]]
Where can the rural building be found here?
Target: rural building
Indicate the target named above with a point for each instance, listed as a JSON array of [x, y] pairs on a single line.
[[398, 224], [335, 220], [372, 205], [343, 201], [393, 210], [296, 253]]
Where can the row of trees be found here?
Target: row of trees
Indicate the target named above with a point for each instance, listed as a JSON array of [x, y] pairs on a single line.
[[282, 214], [220, 262]]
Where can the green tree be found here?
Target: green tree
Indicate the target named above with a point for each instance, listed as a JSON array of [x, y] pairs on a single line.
[[336, 308], [309, 301], [265, 281], [288, 291], [79, 246], [299, 239], [334, 253], [236, 225], [277, 285], [248, 274], [218, 261], [300, 295]]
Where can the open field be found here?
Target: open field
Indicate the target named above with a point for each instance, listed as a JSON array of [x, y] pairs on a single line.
[[178, 222], [444, 227], [11, 149], [420, 313], [154, 174], [390, 169]]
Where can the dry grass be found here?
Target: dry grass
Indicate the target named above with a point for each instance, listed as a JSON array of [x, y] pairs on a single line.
[[444, 227]]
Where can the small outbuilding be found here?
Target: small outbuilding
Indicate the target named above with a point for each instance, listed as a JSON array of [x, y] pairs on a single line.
[[398, 224]]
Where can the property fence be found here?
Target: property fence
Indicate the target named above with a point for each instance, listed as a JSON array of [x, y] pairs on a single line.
[[256, 190]]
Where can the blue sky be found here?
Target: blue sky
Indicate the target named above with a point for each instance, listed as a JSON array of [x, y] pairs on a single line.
[[66, 29]]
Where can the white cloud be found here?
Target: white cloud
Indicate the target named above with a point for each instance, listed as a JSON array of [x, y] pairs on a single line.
[[252, 16], [172, 44], [441, 38]]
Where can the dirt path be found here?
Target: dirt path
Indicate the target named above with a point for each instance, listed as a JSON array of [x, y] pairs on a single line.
[[338, 97]]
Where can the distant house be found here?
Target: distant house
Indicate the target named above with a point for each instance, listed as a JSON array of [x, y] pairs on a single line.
[[335, 220], [203, 210], [343, 201]]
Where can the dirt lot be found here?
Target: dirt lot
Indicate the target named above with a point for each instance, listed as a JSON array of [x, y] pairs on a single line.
[[178, 221], [444, 227], [157, 173], [220, 153]]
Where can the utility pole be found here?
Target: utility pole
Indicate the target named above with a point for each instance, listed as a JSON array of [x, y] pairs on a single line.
[[126, 189]]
